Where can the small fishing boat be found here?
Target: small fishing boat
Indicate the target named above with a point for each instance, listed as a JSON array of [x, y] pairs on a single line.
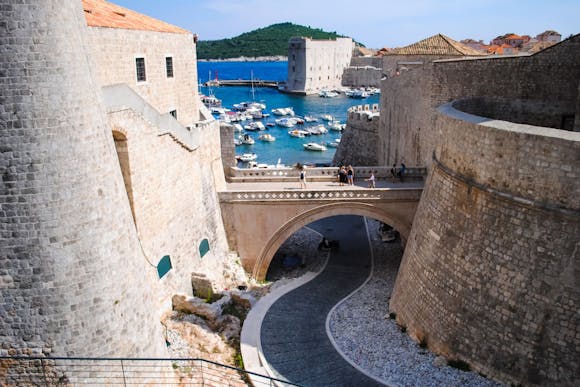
[[312, 146], [310, 119], [298, 133], [267, 137], [327, 117]]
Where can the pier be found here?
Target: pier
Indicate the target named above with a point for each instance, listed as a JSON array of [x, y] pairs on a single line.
[[243, 82]]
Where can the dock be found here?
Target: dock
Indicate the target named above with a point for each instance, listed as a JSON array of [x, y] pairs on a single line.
[[244, 82]]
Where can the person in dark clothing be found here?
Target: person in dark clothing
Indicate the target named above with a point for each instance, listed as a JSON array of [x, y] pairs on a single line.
[[402, 171]]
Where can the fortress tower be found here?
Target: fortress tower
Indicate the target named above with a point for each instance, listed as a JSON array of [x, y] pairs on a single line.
[[70, 261]]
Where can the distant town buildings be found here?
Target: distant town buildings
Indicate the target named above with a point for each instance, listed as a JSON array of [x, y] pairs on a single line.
[[513, 44], [314, 65]]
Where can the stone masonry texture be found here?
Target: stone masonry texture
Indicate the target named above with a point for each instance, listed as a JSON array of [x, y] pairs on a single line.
[[69, 255], [92, 198], [489, 274]]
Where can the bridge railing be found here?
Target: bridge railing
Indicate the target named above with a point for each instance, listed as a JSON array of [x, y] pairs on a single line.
[[319, 173], [69, 371], [378, 194]]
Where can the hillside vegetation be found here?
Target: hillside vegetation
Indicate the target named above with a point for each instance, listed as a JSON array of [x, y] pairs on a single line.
[[267, 41]]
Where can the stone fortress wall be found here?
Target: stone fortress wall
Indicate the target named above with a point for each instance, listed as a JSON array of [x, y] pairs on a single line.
[[366, 76], [489, 271], [316, 64], [95, 195], [361, 133]]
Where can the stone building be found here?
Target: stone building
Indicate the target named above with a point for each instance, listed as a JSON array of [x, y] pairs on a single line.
[[435, 47], [314, 64], [111, 168], [489, 273]]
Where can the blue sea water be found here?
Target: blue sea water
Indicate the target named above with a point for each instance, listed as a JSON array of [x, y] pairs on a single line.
[[289, 149]]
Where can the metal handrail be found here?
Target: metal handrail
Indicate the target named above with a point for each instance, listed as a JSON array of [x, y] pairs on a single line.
[[52, 371]]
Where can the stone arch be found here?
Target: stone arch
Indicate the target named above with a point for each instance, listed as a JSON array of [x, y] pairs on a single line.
[[121, 146], [324, 211]]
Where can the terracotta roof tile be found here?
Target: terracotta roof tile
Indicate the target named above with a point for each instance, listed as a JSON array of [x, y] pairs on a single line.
[[99, 13], [436, 45]]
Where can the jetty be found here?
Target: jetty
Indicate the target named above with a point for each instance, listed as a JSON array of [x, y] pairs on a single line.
[[243, 82]]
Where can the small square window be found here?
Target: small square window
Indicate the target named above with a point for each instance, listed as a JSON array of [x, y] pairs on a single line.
[[173, 113], [140, 67], [169, 66]]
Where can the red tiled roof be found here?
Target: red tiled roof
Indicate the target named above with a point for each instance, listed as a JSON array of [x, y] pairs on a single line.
[[99, 13], [436, 45]]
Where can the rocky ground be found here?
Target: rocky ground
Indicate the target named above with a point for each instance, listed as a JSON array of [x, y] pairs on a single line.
[[360, 326]]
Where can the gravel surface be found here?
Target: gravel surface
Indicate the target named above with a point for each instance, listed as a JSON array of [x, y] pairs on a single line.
[[364, 332]]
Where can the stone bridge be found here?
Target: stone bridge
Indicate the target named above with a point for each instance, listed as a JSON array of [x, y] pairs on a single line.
[[262, 208]]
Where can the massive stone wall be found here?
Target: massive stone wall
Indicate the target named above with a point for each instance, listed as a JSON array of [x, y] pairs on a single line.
[[360, 135], [73, 278], [361, 77], [93, 199], [114, 51], [489, 272]]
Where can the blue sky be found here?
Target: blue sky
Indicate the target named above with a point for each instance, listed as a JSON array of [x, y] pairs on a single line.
[[375, 23]]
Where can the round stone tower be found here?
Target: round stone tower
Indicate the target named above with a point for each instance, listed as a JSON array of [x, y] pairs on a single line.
[[71, 270]]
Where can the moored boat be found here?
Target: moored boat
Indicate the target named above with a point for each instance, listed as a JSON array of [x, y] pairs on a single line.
[[298, 133], [267, 137], [327, 117], [312, 146], [245, 157], [283, 111], [246, 139]]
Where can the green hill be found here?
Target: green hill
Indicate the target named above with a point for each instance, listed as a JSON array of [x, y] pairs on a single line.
[[267, 41]]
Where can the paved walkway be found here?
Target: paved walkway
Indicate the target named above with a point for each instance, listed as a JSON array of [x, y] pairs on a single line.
[[293, 334]]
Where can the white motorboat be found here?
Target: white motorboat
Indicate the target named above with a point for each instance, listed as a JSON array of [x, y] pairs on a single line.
[[336, 126], [312, 146], [283, 111], [237, 141], [238, 128], [285, 122], [327, 117], [267, 137], [332, 144], [327, 93], [318, 129], [247, 157], [255, 126], [246, 139], [298, 133], [310, 119]]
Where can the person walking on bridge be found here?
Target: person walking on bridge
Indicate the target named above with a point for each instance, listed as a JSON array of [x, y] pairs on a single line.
[[350, 175], [302, 177]]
